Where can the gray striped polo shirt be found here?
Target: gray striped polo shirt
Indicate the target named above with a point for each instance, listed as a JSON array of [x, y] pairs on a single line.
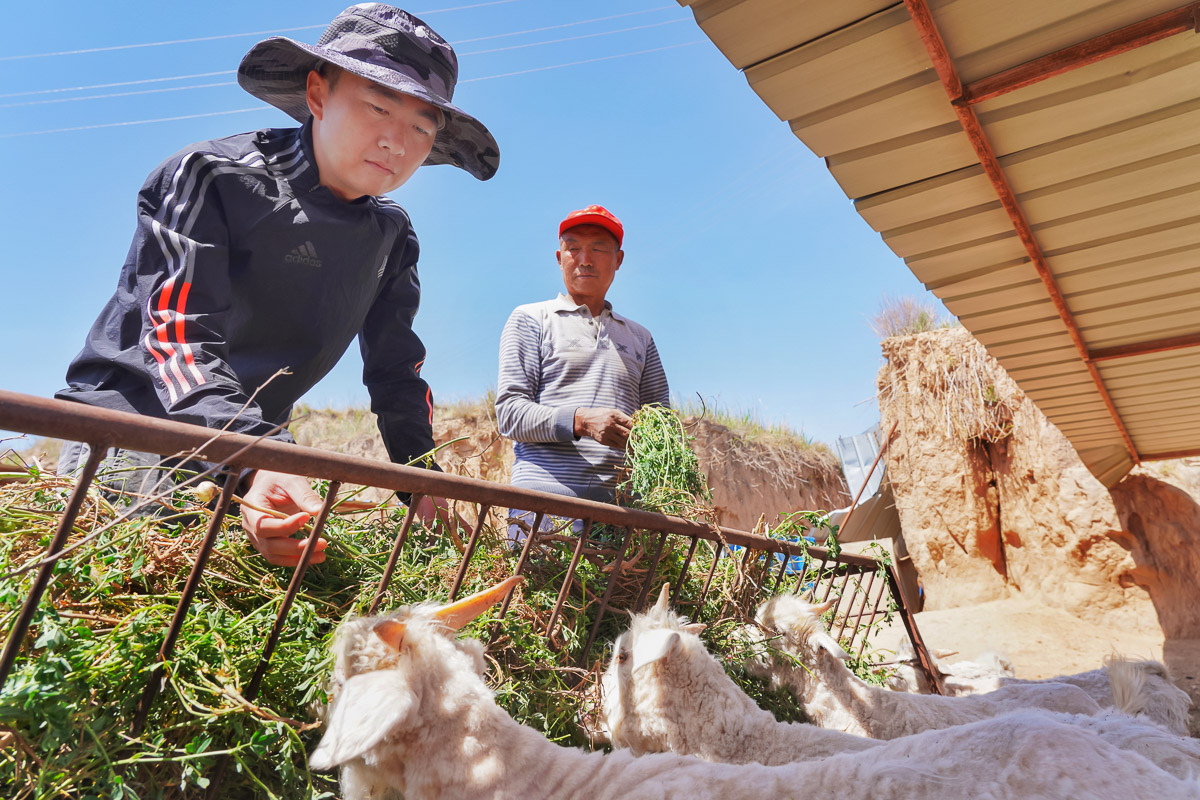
[[556, 357]]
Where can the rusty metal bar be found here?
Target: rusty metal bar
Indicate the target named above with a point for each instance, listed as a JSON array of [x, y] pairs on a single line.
[[687, 562], [882, 449], [1113, 43], [76, 421], [641, 603], [218, 775], [292, 590], [944, 65], [874, 612], [783, 563], [397, 548], [718, 549], [97, 451], [850, 608], [612, 584], [861, 609], [521, 562], [914, 635], [466, 559], [1172, 454], [156, 681], [566, 584], [1145, 348], [803, 574], [837, 606]]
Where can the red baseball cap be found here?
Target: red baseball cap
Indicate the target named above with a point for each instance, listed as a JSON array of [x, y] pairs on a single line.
[[594, 215]]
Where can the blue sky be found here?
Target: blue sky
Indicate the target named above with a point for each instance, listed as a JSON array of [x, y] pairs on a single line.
[[742, 256]]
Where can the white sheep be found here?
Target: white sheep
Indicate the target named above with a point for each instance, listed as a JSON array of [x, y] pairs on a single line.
[[978, 676], [1157, 699], [419, 719], [664, 692], [835, 697]]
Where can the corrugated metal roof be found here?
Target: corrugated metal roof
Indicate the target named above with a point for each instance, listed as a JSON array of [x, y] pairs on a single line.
[[1058, 220]]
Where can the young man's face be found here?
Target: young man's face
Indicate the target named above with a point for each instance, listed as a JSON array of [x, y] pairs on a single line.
[[589, 258], [368, 140]]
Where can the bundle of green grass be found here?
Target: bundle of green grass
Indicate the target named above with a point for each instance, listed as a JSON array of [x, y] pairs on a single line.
[[67, 710]]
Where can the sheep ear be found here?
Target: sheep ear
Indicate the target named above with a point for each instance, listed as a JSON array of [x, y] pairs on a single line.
[[459, 613], [369, 707], [828, 643], [664, 598], [391, 631], [653, 646], [818, 610], [695, 627]]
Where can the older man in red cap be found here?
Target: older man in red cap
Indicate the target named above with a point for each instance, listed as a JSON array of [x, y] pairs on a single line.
[[573, 371]]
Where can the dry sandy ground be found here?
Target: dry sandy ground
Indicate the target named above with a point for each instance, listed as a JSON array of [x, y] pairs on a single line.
[[1043, 642]]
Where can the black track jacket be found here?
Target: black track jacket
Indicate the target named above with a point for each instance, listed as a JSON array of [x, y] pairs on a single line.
[[243, 265]]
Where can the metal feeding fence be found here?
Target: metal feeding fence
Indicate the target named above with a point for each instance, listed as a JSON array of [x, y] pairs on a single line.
[[630, 550]]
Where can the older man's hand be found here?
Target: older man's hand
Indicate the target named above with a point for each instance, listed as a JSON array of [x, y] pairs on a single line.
[[288, 495], [608, 426]]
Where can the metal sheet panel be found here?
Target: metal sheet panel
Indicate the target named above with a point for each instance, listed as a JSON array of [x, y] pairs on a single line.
[[1103, 161]]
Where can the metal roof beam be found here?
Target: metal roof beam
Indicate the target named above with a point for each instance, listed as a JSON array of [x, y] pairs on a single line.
[[1171, 455], [948, 73], [1180, 20], [1145, 348]]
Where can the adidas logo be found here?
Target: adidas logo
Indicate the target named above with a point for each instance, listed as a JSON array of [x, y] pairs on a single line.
[[305, 254]]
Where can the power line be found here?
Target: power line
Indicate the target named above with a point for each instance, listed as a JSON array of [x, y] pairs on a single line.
[[116, 94], [229, 35], [563, 25], [27, 103], [573, 38], [457, 43], [585, 61], [264, 107], [119, 83], [135, 122]]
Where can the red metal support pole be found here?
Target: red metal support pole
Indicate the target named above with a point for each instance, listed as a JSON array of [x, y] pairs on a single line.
[[944, 65], [1113, 43]]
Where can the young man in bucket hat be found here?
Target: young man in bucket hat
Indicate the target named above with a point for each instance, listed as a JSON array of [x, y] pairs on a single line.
[[259, 257], [573, 371]]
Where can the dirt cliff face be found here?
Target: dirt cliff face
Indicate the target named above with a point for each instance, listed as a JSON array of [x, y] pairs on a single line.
[[1007, 508]]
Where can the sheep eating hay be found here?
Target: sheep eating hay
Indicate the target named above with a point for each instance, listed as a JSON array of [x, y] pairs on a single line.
[[417, 717], [664, 692], [836, 698]]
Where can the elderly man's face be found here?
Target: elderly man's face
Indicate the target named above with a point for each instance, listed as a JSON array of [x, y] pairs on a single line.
[[589, 258]]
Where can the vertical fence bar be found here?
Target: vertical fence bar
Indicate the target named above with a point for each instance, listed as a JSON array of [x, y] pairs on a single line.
[[817, 580], [832, 579], [524, 559], [662, 540], [566, 585], [712, 570], [785, 557], [292, 590], [687, 562], [285, 606], [401, 538], [608, 590], [484, 508], [874, 613], [96, 453], [837, 606], [926, 662], [861, 608], [158, 679]]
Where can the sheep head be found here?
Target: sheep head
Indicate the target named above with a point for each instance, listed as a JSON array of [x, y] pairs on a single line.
[[391, 672], [802, 634], [630, 688]]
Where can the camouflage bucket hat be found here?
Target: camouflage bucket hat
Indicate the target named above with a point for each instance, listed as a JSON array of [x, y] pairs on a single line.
[[390, 47]]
